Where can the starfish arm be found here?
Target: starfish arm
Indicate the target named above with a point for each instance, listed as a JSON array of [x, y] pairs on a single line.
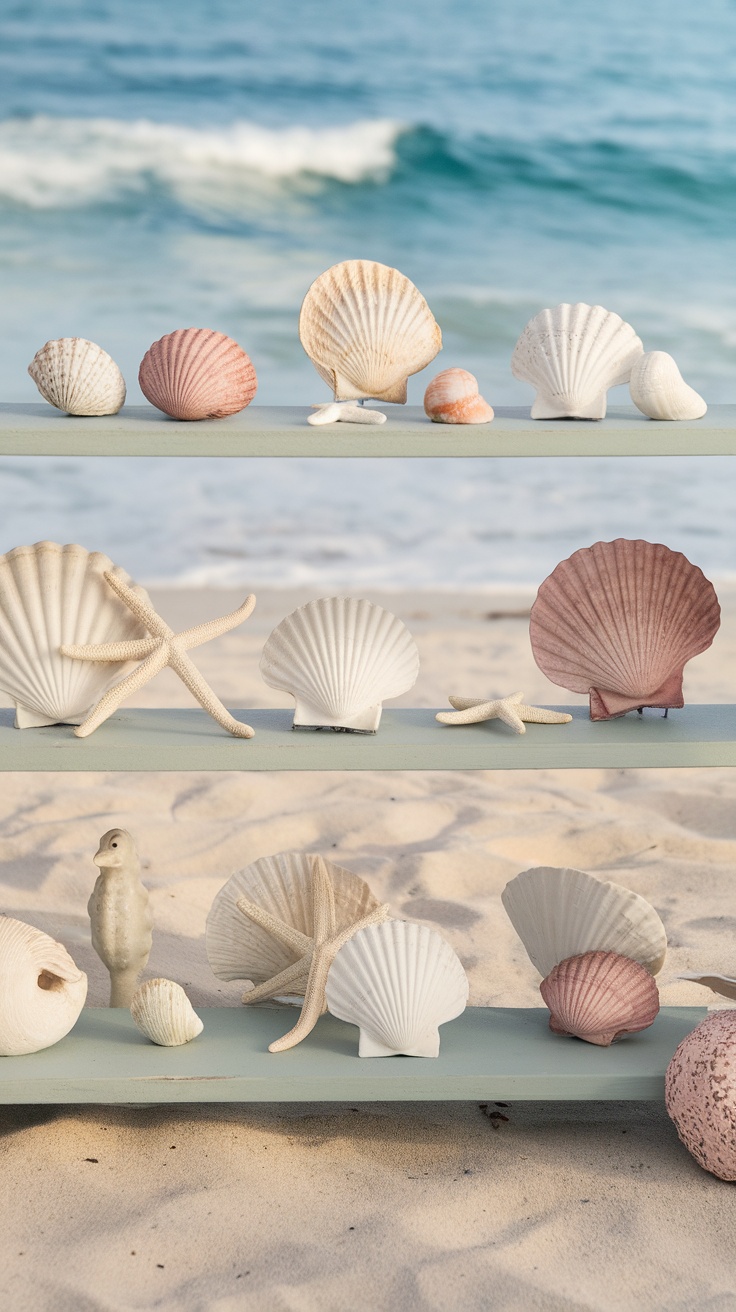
[[508, 712], [200, 633], [464, 703], [472, 714], [540, 715], [357, 414], [119, 691], [323, 902], [325, 414], [135, 650], [292, 979], [201, 691], [288, 935], [142, 610]]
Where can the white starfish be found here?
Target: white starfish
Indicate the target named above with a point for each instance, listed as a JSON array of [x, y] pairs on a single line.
[[346, 412], [164, 647], [511, 709]]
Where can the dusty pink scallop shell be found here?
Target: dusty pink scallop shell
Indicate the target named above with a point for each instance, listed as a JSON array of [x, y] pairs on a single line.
[[619, 620], [700, 1093], [599, 997], [453, 398], [196, 373]]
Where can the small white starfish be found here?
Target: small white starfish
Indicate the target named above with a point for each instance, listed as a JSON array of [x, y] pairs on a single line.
[[511, 709], [315, 955], [346, 412], [164, 647]]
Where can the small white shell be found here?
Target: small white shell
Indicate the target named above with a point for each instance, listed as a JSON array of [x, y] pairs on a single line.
[[162, 1011], [452, 397], [78, 376], [41, 990], [398, 982], [659, 390], [340, 658], [561, 913], [572, 354]]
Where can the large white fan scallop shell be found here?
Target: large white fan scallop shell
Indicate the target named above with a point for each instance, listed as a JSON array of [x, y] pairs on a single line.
[[52, 595], [77, 376], [366, 328], [560, 913], [239, 949], [41, 990], [398, 982], [340, 658], [572, 354]]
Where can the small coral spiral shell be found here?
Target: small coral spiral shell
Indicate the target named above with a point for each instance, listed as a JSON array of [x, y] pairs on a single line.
[[195, 373], [700, 1093], [599, 997], [453, 398]]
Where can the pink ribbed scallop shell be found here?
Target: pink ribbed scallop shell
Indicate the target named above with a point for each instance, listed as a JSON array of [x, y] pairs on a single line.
[[196, 373], [700, 1093], [600, 996], [453, 398], [619, 620]]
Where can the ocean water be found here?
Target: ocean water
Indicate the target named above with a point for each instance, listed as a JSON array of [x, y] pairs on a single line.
[[201, 161]]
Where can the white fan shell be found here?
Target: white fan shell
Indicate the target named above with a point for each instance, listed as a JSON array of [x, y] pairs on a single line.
[[340, 658], [398, 982], [77, 376], [162, 1011], [659, 390], [572, 354], [560, 913], [52, 595], [41, 990]]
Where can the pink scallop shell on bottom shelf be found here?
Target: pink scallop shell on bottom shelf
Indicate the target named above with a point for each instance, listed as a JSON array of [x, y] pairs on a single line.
[[700, 1093], [453, 398], [196, 373], [599, 997], [619, 620]]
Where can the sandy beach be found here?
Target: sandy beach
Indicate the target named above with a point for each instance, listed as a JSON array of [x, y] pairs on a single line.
[[294, 1208]]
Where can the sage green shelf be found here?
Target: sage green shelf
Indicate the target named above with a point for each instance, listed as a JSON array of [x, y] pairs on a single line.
[[498, 1052], [283, 431], [406, 740]]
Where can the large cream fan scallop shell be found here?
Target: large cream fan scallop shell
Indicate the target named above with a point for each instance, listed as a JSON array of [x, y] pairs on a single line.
[[366, 328], [51, 595], [197, 373], [239, 949], [340, 658], [560, 913], [162, 1011], [41, 990], [619, 620], [77, 376], [572, 354], [659, 390], [398, 982]]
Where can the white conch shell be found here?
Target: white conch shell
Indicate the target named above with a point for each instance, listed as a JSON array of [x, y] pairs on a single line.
[[561, 913], [78, 376], [398, 982], [366, 328], [659, 390], [572, 354], [162, 1011], [41, 990], [722, 984], [51, 596], [340, 658]]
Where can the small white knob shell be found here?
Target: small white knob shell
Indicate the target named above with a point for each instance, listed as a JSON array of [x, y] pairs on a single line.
[[162, 1011], [659, 390]]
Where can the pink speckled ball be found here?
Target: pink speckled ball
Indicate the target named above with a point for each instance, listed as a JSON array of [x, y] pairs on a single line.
[[700, 1093]]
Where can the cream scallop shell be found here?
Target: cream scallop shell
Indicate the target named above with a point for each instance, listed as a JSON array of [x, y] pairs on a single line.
[[572, 354], [560, 913], [659, 390], [41, 990], [197, 373], [600, 997], [52, 595], [398, 982], [162, 1011], [78, 376], [340, 658], [366, 328], [239, 949], [452, 397]]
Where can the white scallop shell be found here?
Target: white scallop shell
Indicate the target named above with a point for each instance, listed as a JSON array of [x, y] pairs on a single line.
[[398, 982], [41, 990], [366, 328], [52, 595], [561, 913], [572, 354], [78, 376], [162, 1011], [238, 949], [659, 390]]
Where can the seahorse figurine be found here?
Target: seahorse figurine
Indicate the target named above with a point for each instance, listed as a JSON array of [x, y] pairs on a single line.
[[120, 915]]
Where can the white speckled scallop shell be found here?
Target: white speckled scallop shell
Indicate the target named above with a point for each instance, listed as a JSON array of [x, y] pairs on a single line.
[[572, 354], [340, 658], [41, 990], [77, 376], [366, 328], [162, 1011], [659, 390], [560, 913], [52, 595], [398, 982]]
